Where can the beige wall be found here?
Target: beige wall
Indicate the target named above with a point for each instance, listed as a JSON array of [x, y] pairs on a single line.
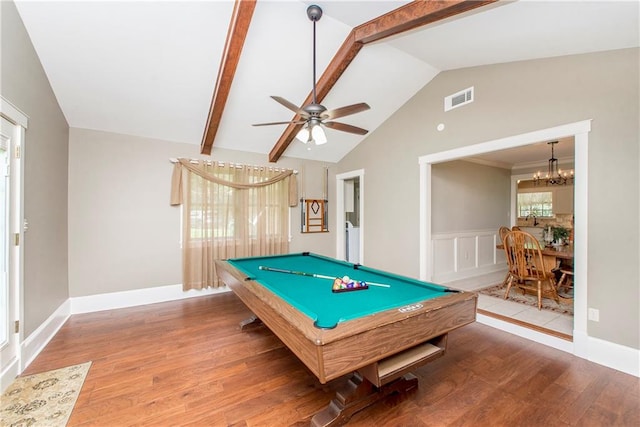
[[123, 234], [476, 197], [512, 99], [26, 86]]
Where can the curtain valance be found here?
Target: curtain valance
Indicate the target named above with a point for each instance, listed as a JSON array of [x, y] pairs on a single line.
[[203, 170]]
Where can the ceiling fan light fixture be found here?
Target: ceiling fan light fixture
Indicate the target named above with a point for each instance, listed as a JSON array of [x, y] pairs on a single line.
[[303, 135], [317, 133]]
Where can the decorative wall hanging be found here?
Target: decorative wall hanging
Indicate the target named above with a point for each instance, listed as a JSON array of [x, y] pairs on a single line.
[[314, 216]]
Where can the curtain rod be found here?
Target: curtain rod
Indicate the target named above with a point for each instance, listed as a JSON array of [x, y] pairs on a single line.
[[238, 165]]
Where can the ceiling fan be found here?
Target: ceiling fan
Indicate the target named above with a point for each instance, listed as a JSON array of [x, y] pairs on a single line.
[[315, 115]]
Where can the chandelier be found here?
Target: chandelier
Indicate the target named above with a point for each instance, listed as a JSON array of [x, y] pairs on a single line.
[[554, 176]]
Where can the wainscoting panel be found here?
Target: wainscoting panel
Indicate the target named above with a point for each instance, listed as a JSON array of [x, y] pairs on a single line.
[[444, 254], [466, 254]]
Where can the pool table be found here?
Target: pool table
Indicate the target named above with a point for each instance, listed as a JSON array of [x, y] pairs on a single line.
[[379, 333]]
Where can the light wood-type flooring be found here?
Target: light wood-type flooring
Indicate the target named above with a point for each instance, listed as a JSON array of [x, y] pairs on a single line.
[[188, 363]]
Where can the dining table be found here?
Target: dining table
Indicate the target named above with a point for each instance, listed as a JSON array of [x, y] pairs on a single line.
[[553, 256]]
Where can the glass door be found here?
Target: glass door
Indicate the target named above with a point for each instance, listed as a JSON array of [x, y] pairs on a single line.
[[9, 360]]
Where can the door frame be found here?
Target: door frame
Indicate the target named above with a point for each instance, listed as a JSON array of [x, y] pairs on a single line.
[[341, 218], [580, 132], [16, 221]]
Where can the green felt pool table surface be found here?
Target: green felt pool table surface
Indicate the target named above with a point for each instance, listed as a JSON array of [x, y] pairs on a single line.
[[314, 297]]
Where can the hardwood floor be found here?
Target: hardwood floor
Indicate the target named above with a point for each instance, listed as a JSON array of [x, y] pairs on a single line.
[[188, 363]]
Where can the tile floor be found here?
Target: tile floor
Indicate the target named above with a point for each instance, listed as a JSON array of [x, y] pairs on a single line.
[[546, 319]]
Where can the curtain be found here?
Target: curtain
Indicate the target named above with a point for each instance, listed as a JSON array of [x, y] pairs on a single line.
[[229, 211]]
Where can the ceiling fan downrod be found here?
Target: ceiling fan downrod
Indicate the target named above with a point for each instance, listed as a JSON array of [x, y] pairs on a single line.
[[314, 12]]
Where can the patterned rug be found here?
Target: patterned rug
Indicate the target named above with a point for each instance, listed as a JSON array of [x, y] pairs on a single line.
[[45, 399], [497, 291]]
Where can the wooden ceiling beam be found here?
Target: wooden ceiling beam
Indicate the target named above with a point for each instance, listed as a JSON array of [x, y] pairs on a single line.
[[236, 35], [413, 15], [405, 18]]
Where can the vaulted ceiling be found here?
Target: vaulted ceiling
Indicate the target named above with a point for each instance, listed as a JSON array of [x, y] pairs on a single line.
[[151, 68]]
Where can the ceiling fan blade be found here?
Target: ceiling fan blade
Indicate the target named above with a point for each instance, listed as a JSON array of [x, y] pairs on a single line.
[[279, 123], [345, 111], [290, 105], [346, 128]]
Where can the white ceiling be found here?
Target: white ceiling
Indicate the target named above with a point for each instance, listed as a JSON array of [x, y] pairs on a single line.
[[148, 68]]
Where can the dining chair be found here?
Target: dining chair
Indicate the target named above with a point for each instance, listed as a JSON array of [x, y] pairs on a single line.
[[566, 278], [526, 267], [503, 231]]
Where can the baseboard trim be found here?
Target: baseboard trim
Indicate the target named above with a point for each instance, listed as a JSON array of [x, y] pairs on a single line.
[[114, 300], [9, 374], [605, 353], [468, 273], [38, 339], [615, 356]]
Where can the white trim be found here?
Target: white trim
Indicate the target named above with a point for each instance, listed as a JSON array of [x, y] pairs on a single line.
[[9, 374], [136, 297], [583, 346], [13, 114], [581, 239], [16, 221], [508, 142], [340, 216], [38, 339], [513, 213], [612, 355], [615, 356], [424, 226]]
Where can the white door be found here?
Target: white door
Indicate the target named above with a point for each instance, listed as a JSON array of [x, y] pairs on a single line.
[[9, 346]]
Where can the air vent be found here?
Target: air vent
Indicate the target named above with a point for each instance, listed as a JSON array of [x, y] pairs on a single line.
[[458, 99]]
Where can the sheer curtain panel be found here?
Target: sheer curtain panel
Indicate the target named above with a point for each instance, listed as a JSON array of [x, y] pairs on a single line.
[[230, 211]]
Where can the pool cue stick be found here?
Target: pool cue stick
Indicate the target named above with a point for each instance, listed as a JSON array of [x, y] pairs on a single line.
[[299, 273], [382, 285], [319, 276]]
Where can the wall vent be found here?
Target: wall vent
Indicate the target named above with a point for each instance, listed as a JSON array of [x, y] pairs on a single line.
[[458, 99]]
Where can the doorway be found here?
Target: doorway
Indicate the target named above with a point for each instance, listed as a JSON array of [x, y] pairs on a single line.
[[12, 127], [350, 216], [580, 132]]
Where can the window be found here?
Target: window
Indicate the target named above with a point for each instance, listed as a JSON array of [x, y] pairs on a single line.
[[229, 211], [222, 212], [539, 204]]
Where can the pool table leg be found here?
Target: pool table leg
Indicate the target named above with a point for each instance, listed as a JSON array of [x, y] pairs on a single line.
[[356, 395], [250, 322]]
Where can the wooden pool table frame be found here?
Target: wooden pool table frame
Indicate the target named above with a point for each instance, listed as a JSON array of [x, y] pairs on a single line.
[[357, 344]]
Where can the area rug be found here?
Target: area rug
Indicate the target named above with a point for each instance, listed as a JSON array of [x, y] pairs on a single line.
[[564, 307], [44, 399]]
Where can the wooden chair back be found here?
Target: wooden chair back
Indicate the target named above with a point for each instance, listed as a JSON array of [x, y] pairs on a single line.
[[503, 231], [526, 265], [524, 255]]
